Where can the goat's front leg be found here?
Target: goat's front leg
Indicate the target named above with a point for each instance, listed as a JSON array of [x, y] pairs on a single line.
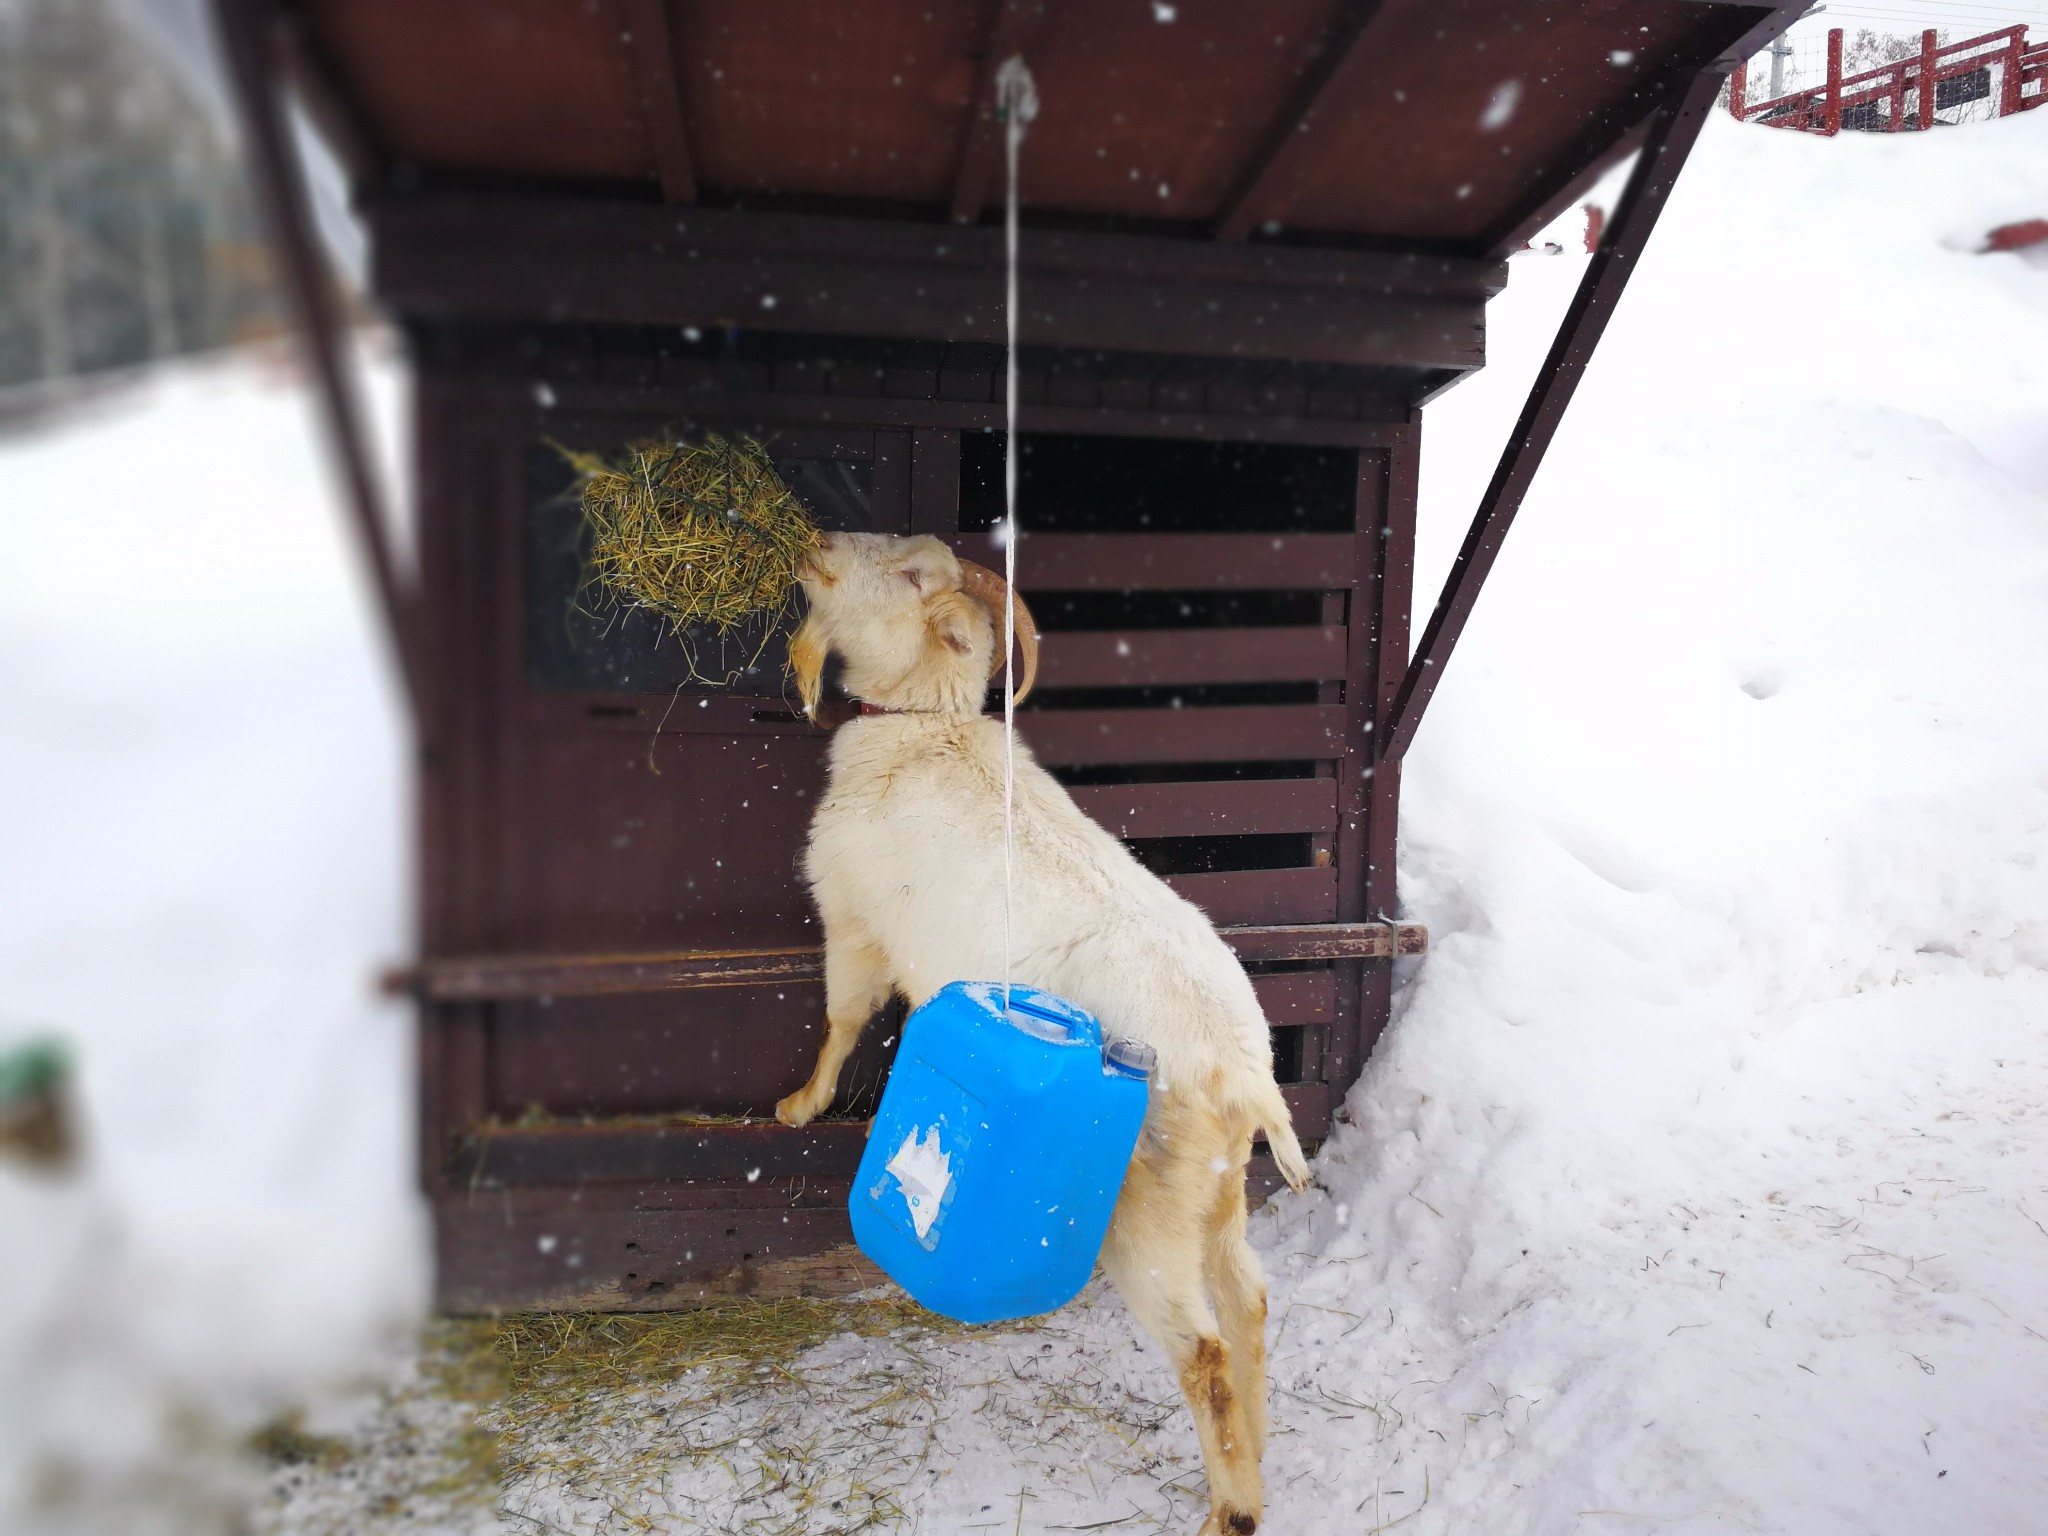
[[856, 985]]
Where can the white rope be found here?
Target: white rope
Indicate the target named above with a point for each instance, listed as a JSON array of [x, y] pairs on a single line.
[[1017, 104]]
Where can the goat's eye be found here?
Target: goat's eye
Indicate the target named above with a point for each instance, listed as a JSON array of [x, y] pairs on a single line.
[[914, 576]]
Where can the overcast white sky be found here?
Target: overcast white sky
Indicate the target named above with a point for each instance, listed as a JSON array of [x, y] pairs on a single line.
[[1962, 18]]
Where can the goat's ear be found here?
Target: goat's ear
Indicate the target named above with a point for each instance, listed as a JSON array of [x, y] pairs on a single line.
[[807, 650], [954, 620], [928, 565]]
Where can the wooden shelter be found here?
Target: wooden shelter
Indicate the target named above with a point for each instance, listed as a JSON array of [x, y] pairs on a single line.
[[1257, 239]]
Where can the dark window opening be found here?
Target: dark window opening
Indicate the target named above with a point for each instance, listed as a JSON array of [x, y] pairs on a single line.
[[1172, 696], [1174, 773], [1075, 483], [1288, 1043], [1217, 855], [1169, 610]]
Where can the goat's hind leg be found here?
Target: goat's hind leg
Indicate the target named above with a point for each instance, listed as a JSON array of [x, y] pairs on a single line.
[[1155, 1258], [1237, 1289], [856, 985]]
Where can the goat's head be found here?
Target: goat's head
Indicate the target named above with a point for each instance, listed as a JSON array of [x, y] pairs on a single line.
[[917, 627]]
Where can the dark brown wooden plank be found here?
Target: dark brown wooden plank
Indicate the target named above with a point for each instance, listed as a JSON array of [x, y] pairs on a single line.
[[1297, 997], [1211, 808], [1309, 1105], [1067, 738], [1151, 562], [651, 43], [1326, 941], [1106, 659], [516, 257], [626, 1152], [640, 403], [595, 975], [601, 1249], [1628, 232], [567, 222], [1263, 181], [487, 978], [1262, 895], [615, 1152]]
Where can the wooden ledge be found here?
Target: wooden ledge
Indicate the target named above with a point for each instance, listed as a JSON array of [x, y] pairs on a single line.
[[501, 978], [628, 1151]]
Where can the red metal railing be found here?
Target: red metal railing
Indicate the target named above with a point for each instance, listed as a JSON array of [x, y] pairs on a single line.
[[1875, 100]]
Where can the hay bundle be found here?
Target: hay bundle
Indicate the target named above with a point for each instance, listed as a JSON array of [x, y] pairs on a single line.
[[705, 534]]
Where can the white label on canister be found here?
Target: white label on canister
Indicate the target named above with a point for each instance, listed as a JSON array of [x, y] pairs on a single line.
[[925, 1172]]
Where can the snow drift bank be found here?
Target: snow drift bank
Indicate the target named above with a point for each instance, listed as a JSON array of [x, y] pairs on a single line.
[[1691, 1190]]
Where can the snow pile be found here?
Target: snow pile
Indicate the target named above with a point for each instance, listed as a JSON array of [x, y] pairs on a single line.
[[1703, 1181], [1701, 1185], [201, 823]]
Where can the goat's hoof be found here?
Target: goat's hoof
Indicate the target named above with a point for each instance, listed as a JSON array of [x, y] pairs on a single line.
[[794, 1111], [1229, 1522]]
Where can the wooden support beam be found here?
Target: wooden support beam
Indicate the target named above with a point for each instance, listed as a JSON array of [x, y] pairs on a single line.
[[1670, 139], [1012, 24], [1267, 177], [312, 79], [499, 256], [651, 44], [249, 45]]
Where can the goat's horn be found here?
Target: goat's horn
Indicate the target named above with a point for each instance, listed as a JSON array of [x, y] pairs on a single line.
[[989, 589]]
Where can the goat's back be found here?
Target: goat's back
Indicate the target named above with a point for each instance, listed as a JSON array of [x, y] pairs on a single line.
[[907, 847]]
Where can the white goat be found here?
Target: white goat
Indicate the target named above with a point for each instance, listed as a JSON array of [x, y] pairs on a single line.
[[906, 863]]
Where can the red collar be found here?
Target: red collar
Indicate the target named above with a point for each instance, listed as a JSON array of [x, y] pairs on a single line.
[[882, 709]]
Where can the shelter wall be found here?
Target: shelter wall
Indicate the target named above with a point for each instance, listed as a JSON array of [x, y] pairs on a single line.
[[1214, 659]]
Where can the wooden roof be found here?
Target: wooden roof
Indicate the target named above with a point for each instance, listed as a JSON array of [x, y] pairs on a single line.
[[1452, 125]]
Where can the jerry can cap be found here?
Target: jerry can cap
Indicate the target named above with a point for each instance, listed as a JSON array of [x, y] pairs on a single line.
[[1133, 1058]]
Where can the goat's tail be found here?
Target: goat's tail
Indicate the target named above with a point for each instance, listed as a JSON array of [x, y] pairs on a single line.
[[1273, 1118]]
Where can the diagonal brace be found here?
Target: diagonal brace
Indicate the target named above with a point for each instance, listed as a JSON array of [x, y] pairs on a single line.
[[1670, 139], [247, 43]]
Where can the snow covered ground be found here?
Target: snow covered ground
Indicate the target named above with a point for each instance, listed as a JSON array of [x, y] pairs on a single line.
[[201, 825], [1701, 1185]]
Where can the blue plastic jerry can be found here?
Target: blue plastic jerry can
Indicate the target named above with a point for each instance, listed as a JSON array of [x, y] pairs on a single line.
[[997, 1153]]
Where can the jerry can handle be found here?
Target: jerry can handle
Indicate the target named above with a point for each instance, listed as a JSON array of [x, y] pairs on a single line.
[[1069, 1026]]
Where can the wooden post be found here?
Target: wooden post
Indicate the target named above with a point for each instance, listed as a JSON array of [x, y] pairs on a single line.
[[1738, 91], [1831, 112], [1929, 47], [281, 195], [2011, 73]]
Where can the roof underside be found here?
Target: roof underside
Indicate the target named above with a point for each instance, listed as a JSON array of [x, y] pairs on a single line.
[[1445, 124]]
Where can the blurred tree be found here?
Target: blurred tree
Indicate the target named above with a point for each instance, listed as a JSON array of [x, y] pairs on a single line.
[[1867, 49], [125, 230]]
